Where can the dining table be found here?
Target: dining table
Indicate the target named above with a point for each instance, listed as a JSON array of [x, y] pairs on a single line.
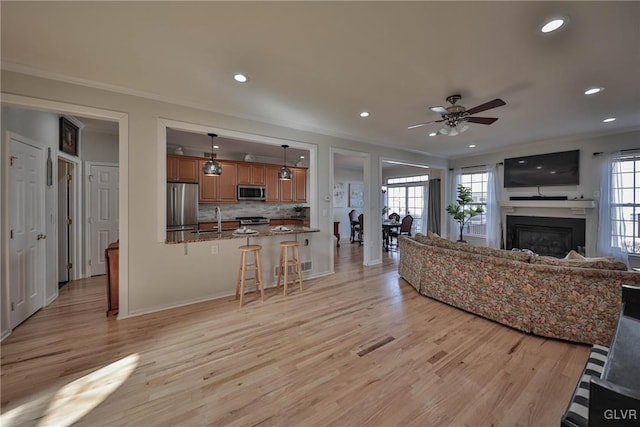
[[387, 227]]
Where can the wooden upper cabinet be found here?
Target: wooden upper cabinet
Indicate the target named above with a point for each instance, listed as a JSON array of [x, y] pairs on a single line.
[[182, 168], [228, 182], [286, 190], [272, 183], [299, 185], [221, 188], [251, 174]]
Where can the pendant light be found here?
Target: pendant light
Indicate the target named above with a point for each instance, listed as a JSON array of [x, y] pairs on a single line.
[[212, 168], [284, 173]]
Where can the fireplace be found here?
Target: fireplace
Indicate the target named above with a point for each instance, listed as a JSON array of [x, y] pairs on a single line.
[[546, 235]]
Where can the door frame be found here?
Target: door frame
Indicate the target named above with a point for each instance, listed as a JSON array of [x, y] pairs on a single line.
[[75, 231], [123, 177], [87, 209]]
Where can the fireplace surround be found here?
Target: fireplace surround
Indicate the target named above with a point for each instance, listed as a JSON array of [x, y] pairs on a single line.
[[546, 235]]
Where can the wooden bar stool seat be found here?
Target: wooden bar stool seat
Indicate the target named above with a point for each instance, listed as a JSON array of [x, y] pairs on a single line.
[[293, 262], [245, 267]]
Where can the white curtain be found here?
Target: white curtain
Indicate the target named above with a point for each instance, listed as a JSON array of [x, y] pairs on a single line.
[[493, 215], [453, 228], [611, 224]]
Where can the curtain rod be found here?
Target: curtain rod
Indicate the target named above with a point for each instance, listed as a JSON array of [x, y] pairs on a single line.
[[476, 166], [598, 153]]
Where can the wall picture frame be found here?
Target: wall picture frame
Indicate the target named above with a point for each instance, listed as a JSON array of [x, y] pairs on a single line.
[[356, 195], [68, 137]]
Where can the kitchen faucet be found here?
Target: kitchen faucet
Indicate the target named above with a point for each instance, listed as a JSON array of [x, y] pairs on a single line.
[[219, 216]]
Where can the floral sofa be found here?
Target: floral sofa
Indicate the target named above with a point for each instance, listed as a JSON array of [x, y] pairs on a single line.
[[575, 300]]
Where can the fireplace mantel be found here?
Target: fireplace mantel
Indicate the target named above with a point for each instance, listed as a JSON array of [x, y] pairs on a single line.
[[577, 207]]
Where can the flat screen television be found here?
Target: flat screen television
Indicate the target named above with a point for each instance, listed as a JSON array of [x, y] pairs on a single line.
[[543, 170]]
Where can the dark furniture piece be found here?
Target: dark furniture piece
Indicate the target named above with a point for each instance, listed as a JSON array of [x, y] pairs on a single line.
[[336, 232], [360, 229], [405, 228], [111, 255], [387, 228], [355, 225], [608, 393]]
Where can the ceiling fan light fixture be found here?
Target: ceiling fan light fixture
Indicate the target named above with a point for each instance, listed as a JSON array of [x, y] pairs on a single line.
[[211, 167]]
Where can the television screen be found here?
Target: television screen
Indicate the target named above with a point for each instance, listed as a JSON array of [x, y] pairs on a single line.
[[543, 170]]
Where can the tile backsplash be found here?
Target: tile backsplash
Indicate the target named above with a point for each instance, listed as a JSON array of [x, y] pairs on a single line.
[[207, 212]]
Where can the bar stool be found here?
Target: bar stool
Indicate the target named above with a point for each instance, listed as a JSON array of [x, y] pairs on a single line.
[[294, 262], [245, 266]]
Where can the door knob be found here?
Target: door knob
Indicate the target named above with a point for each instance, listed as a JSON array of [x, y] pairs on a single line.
[[41, 236]]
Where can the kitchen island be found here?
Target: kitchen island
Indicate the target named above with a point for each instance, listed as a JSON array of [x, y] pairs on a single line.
[[213, 235]]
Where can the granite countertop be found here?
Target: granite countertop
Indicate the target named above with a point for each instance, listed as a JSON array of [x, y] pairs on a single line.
[[204, 236]]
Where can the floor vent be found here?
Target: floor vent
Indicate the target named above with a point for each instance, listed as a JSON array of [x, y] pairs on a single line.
[[306, 266]]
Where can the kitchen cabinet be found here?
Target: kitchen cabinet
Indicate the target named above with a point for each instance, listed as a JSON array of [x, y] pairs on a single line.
[[292, 191], [182, 168], [214, 189], [251, 174], [226, 225], [272, 184], [287, 221], [299, 185]]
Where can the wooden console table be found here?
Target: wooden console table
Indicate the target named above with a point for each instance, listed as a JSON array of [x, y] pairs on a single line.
[[112, 266]]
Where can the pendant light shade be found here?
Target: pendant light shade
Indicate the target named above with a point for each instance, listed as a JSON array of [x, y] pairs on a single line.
[[212, 168], [284, 173]]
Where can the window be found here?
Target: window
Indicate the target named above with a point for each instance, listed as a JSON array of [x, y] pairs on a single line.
[[477, 181], [625, 188], [406, 196]]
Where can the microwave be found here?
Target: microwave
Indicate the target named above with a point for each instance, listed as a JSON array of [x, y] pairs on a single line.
[[252, 192]]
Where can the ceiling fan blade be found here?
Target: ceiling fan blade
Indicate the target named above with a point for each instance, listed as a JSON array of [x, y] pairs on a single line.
[[423, 124], [487, 106], [482, 120], [440, 110]]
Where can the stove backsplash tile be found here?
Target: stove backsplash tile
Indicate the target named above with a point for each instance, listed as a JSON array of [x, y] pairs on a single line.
[[207, 212]]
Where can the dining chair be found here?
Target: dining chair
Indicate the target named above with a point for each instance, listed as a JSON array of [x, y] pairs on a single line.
[[360, 228], [355, 225], [394, 216], [405, 228]]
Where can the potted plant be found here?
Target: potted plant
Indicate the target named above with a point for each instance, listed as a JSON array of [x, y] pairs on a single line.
[[460, 212], [299, 209]]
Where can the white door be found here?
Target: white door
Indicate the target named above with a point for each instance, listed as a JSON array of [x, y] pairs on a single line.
[[104, 213], [26, 229]]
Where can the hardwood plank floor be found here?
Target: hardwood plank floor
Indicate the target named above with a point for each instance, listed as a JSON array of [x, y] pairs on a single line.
[[361, 347]]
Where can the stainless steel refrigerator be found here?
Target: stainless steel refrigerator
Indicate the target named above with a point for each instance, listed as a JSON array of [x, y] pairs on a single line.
[[182, 207]]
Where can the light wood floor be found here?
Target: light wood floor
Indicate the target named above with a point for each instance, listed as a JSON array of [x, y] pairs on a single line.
[[361, 347]]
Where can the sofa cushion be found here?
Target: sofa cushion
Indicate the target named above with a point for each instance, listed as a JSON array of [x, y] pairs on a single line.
[[481, 250], [598, 263]]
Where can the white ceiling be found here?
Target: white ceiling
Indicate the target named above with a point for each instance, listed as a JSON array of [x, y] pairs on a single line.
[[316, 65]]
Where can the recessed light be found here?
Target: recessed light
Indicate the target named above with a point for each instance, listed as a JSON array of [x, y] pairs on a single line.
[[552, 172], [593, 90], [472, 146], [364, 114], [521, 161], [240, 78], [538, 167], [609, 120], [216, 146], [552, 25], [302, 157], [433, 133]]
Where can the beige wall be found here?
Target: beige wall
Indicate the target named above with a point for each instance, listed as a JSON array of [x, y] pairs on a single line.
[[163, 275]]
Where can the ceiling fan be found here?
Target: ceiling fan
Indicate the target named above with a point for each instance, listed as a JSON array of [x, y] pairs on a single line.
[[456, 117]]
